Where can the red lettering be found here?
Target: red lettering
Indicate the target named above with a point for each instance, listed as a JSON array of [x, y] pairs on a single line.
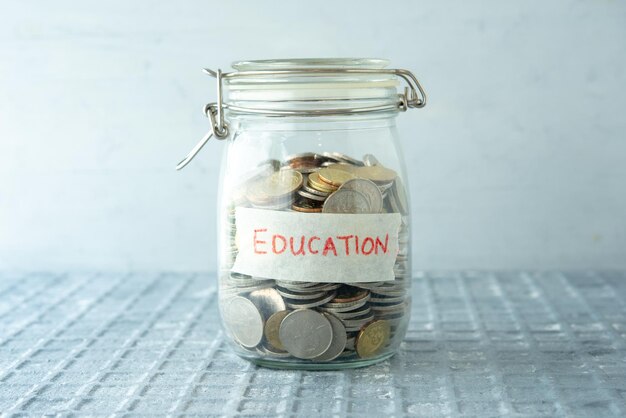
[[372, 246], [311, 250], [329, 245], [380, 244], [301, 250], [256, 241], [274, 249], [298, 246], [345, 239]]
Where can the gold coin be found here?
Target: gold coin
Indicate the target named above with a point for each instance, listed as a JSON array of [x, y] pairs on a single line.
[[272, 325], [376, 173], [343, 167], [317, 184], [276, 185], [372, 338], [281, 183], [335, 177]]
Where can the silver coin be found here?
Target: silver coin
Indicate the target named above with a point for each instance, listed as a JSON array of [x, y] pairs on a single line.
[[369, 189], [403, 251], [345, 306], [311, 196], [302, 170], [339, 157], [268, 301], [367, 285], [311, 190], [359, 321], [264, 168], [290, 294], [287, 283], [390, 286], [272, 162], [393, 204], [269, 351], [307, 304], [338, 343], [249, 284], [352, 314], [376, 298], [348, 355], [243, 320], [369, 160], [394, 321], [392, 289], [350, 343], [396, 317], [378, 308], [229, 290], [239, 276], [395, 308], [401, 264], [330, 163], [301, 156], [384, 187], [276, 204], [307, 286], [400, 272], [347, 201], [306, 334], [400, 197], [389, 292]]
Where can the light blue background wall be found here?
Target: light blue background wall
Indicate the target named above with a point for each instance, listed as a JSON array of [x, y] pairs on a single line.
[[519, 160]]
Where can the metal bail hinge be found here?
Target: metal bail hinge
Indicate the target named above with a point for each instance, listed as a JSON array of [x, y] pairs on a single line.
[[215, 113], [219, 127]]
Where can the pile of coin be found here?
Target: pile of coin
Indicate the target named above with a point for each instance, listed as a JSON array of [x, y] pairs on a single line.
[[313, 321]]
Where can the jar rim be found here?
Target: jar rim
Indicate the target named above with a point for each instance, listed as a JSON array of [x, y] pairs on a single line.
[[339, 63]]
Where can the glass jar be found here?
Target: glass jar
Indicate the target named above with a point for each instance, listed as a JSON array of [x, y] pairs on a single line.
[[314, 219]]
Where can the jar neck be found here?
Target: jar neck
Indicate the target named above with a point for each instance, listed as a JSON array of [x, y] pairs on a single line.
[[374, 120]]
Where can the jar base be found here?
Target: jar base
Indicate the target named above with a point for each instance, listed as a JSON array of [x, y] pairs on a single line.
[[334, 365]]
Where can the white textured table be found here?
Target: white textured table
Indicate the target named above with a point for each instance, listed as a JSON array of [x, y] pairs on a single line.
[[480, 344]]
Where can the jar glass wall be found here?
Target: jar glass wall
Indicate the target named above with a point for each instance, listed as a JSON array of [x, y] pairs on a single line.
[[314, 227]]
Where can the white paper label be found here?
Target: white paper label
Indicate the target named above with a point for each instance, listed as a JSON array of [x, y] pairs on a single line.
[[316, 247]]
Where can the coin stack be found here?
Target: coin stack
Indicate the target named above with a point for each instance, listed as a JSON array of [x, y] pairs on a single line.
[[313, 321], [229, 247]]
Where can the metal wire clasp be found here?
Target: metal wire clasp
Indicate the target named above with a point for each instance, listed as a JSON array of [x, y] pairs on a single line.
[[413, 96], [219, 128]]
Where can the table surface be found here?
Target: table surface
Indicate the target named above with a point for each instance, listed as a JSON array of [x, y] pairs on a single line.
[[479, 344]]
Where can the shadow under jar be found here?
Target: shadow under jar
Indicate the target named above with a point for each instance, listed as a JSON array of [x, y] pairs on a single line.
[[314, 225]]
